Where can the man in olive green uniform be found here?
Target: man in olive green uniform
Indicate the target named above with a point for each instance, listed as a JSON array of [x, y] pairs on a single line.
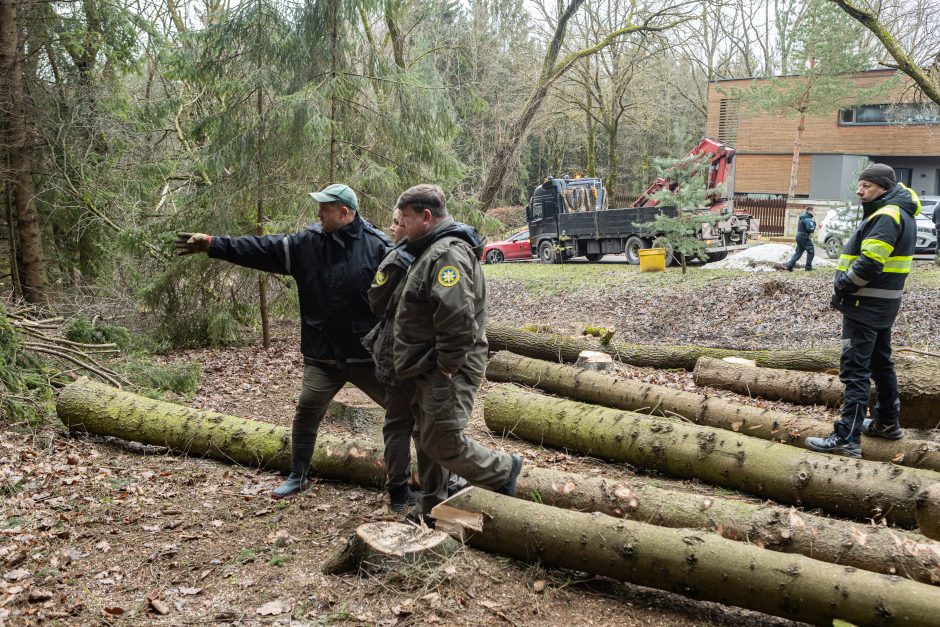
[[384, 294], [440, 345]]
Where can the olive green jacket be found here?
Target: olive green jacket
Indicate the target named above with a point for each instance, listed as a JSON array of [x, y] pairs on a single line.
[[440, 321]]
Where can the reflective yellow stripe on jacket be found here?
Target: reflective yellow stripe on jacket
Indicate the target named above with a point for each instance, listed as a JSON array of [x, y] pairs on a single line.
[[898, 265], [876, 249]]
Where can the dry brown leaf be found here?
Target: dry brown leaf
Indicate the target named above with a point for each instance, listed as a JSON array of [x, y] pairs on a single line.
[[273, 608]]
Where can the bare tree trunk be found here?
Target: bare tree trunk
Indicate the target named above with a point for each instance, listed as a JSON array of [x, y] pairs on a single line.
[[591, 141], [692, 563], [795, 161], [613, 165], [333, 102], [15, 280], [262, 284], [20, 158]]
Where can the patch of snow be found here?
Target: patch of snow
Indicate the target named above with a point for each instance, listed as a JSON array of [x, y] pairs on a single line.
[[767, 258]]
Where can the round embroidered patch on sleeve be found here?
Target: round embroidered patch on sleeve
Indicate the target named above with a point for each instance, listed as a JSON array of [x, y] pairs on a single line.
[[448, 276], [380, 277]]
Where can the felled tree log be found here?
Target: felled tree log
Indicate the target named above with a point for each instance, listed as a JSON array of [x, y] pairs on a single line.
[[928, 512], [803, 388], [767, 424], [381, 547], [361, 462], [97, 408], [565, 348], [852, 488], [693, 563], [920, 396], [875, 548]]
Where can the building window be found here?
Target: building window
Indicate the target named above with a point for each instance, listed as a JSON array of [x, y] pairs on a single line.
[[903, 114], [728, 121]]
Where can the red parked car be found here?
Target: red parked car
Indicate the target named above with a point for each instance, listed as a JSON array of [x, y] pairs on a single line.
[[516, 247]]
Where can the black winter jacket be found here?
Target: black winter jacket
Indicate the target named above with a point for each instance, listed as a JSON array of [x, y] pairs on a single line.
[[333, 272], [806, 225], [877, 258]]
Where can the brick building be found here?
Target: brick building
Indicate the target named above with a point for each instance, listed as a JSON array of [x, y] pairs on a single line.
[[835, 146]]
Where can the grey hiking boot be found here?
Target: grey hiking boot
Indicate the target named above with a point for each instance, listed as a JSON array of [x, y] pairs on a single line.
[[455, 484], [509, 488], [834, 445], [294, 483], [877, 429], [402, 498]]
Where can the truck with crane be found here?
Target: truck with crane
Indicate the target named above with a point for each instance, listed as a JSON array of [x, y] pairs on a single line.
[[570, 217]]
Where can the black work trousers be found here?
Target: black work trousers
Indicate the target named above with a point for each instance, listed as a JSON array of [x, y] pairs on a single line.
[[803, 243], [866, 357]]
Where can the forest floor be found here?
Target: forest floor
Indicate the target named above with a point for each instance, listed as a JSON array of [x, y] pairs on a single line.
[[94, 530]]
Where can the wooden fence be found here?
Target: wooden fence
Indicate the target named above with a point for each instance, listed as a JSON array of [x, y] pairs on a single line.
[[772, 212]]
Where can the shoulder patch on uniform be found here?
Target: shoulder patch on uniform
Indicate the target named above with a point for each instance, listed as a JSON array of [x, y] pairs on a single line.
[[448, 276], [380, 277]]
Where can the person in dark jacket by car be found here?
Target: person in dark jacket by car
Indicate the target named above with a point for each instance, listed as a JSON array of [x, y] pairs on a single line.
[[804, 240], [867, 290], [333, 263]]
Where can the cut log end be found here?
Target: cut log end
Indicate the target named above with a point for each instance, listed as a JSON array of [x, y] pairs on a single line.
[[594, 360], [390, 546], [741, 361]]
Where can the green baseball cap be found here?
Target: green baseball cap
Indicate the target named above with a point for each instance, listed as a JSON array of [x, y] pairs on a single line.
[[337, 192]]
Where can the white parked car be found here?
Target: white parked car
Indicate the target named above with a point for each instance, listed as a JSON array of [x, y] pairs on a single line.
[[838, 225]]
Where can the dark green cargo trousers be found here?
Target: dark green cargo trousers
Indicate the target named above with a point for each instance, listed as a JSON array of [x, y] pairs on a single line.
[[443, 407]]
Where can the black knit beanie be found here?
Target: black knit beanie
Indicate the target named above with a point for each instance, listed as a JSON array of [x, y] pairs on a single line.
[[880, 174]]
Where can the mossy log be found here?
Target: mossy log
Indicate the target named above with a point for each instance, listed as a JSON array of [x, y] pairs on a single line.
[[563, 348], [853, 488], [802, 388], [383, 547], [920, 398], [361, 462], [693, 563], [767, 424], [97, 408], [879, 549]]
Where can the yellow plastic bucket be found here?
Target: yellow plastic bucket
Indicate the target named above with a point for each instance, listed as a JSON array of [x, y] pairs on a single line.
[[652, 260]]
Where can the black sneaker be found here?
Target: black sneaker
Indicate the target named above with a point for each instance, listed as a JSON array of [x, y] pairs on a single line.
[[509, 488], [834, 445], [877, 429], [402, 498]]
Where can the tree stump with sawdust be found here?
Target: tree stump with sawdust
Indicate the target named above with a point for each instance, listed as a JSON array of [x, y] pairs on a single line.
[[391, 546]]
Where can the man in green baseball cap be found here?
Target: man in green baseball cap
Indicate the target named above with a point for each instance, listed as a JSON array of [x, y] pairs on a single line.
[[333, 263]]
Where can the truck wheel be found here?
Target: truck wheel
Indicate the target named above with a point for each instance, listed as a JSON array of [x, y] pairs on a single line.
[[632, 248], [592, 257], [494, 256], [712, 257], [547, 253]]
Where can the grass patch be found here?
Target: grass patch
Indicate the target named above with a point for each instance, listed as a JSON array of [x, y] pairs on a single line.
[[541, 279]]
